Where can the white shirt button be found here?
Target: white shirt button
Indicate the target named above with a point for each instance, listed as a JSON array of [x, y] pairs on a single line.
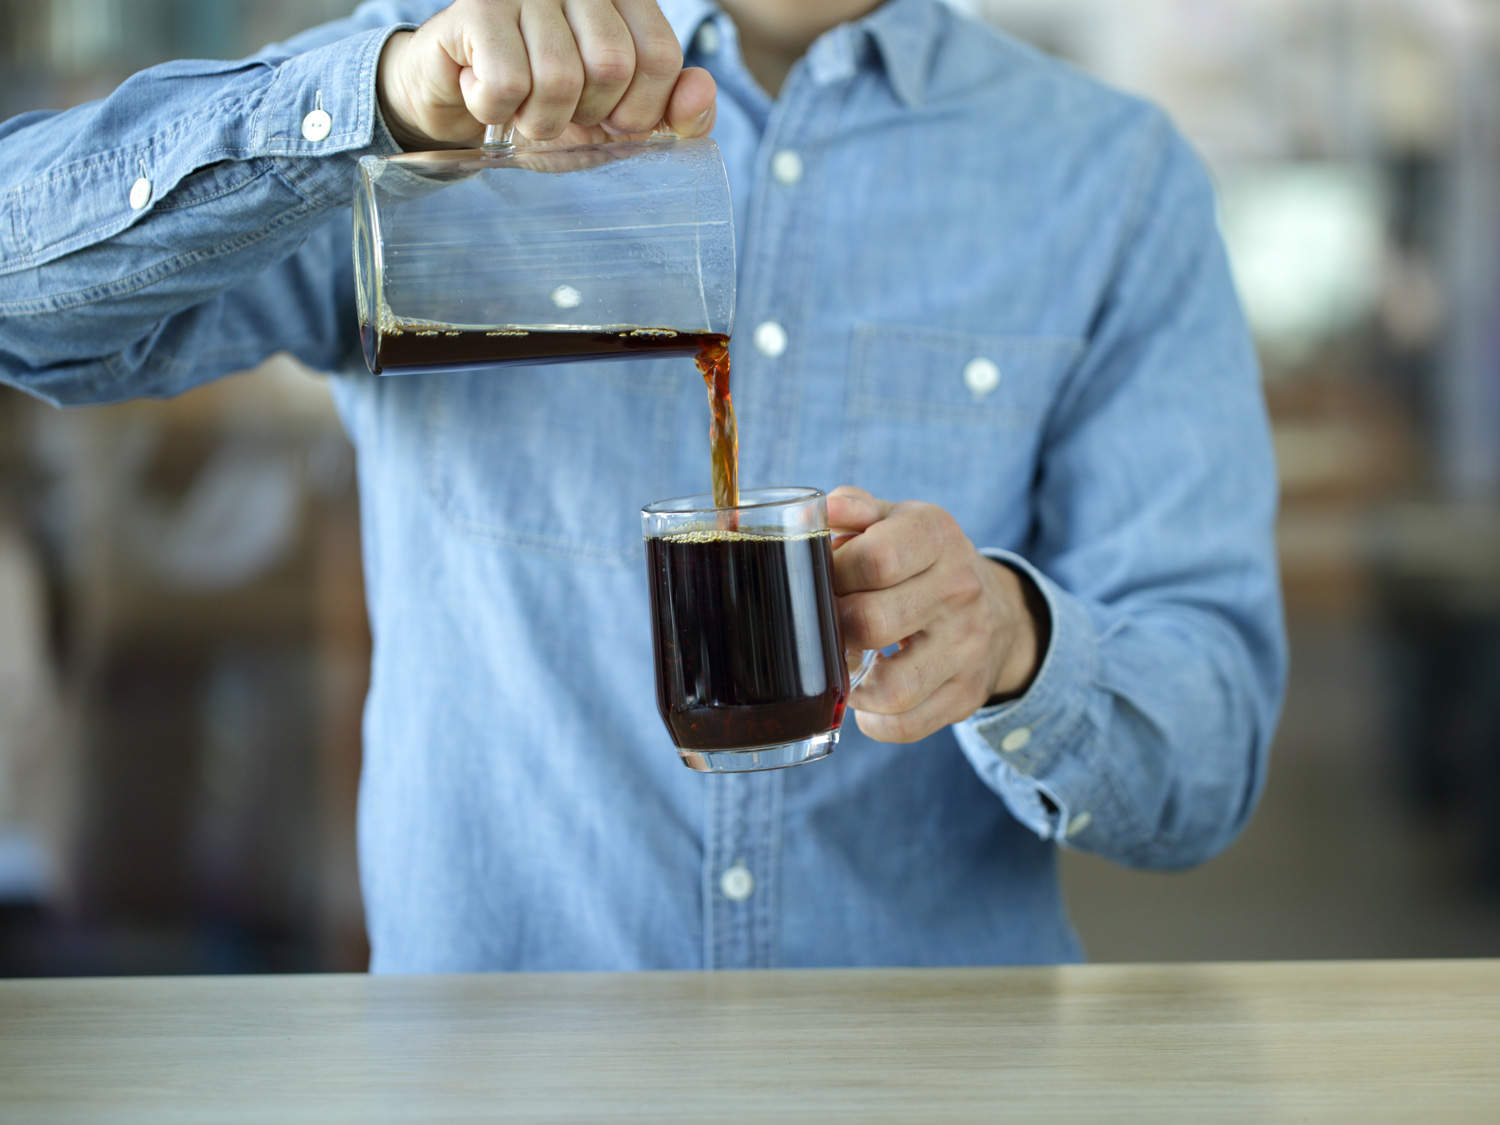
[[1016, 740], [770, 339], [737, 883], [786, 166], [1079, 823], [981, 376], [317, 125], [708, 39], [140, 194]]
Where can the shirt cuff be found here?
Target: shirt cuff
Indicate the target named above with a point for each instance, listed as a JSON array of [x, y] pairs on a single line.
[[338, 80], [1040, 753]]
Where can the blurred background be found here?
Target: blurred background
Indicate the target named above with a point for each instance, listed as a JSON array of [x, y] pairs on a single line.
[[182, 636]]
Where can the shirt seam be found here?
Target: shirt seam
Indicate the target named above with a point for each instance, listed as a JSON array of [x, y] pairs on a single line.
[[169, 131], [151, 275], [1152, 161], [258, 171], [1150, 837], [76, 240]]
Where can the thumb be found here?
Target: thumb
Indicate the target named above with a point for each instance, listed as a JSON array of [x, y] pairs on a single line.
[[852, 510], [691, 110]]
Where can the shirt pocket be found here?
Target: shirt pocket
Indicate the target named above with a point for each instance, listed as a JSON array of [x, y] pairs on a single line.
[[552, 460], [953, 418]]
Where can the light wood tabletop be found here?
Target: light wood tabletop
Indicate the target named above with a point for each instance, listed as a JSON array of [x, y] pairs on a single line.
[[1409, 1041]]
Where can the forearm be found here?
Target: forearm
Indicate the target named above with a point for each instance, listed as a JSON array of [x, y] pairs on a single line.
[[1146, 733], [189, 182]]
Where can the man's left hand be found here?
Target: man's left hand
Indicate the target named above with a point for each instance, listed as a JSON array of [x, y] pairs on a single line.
[[906, 574]]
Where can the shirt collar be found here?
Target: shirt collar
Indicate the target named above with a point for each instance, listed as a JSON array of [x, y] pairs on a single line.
[[904, 33]]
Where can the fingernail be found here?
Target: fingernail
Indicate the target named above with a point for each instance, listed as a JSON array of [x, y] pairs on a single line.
[[611, 130]]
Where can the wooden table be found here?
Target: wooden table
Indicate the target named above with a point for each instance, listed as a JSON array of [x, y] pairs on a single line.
[[1415, 1041]]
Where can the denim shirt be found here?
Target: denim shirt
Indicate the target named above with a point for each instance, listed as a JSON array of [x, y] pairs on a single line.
[[1001, 290]]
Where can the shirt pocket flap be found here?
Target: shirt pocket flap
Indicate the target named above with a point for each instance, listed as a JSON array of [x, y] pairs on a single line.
[[955, 419], [959, 379]]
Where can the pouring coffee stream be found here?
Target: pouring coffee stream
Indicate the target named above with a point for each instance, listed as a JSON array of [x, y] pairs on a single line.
[[521, 254], [711, 358]]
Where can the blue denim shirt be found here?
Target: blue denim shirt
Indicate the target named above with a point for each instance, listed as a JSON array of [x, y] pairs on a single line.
[[955, 197]]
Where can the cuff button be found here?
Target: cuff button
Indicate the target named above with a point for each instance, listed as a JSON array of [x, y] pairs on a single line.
[[140, 194], [1016, 740], [317, 125]]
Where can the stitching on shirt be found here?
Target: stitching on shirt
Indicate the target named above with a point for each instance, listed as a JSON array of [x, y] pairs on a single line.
[[534, 541], [1154, 839], [258, 169], [169, 133], [19, 237], [295, 145], [1148, 837], [152, 274], [284, 166], [1151, 162], [803, 231], [114, 225], [864, 405]]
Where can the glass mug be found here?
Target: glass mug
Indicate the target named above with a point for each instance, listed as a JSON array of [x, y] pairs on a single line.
[[541, 253], [750, 663]]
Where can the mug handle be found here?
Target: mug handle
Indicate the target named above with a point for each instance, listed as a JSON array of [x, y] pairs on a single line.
[[866, 664]]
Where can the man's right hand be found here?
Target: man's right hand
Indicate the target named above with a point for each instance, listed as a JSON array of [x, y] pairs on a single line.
[[590, 69]]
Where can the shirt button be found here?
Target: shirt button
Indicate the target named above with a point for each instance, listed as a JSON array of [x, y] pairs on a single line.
[[786, 166], [770, 339], [1016, 740], [737, 883], [317, 125], [140, 194], [981, 376], [1079, 823], [708, 39]]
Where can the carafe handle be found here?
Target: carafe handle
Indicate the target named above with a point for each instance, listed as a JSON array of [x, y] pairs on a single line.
[[500, 139]]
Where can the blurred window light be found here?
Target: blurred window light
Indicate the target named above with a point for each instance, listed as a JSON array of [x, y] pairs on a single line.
[[1307, 243], [84, 34]]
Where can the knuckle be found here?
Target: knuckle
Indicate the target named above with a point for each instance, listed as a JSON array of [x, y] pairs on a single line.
[[659, 55], [966, 586], [634, 120], [904, 691], [509, 91], [609, 66], [866, 622], [882, 565], [941, 523], [557, 82]]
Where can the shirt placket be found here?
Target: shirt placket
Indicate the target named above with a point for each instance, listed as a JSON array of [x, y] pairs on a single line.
[[741, 870], [776, 276], [744, 815]]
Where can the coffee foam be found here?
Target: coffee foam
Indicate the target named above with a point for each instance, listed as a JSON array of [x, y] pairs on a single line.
[[725, 535]]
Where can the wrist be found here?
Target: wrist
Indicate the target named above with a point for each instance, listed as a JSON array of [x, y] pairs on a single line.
[[1025, 637], [391, 93]]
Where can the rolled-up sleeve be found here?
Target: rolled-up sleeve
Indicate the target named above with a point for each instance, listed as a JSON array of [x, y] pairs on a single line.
[[1145, 735], [125, 223]]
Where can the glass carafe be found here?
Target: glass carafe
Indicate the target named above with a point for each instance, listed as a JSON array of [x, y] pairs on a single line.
[[513, 254]]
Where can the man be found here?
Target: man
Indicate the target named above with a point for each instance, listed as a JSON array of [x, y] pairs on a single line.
[[980, 289]]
